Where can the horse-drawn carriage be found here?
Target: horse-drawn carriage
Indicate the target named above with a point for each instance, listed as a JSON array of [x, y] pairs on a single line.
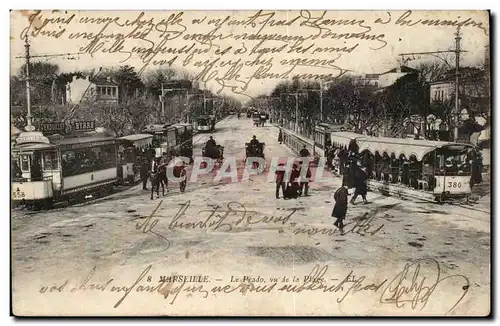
[[215, 152], [254, 150]]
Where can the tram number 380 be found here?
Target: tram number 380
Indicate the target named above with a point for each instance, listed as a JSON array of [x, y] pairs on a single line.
[[454, 184]]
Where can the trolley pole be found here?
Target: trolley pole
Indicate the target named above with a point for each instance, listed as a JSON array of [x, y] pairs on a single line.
[[296, 95], [457, 52], [162, 102], [321, 89], [178, 89], [457, 86], [29, 117]]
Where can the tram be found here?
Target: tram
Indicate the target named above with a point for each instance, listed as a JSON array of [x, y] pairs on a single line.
[[132, 150], [429, 170], [177, 137], [322, 138], [205, 123], [61, 168]]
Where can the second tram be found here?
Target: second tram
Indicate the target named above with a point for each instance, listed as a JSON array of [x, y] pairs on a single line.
[[429, 170]]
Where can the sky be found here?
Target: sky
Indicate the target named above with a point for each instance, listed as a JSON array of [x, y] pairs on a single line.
[[397, 37]]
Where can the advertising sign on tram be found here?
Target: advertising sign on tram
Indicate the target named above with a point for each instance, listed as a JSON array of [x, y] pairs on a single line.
[[52, 128], [84, 126]]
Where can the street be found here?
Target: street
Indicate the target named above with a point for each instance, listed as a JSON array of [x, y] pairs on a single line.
[[260, 237]]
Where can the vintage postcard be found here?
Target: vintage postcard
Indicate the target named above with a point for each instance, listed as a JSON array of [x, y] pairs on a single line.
[[250, 163]]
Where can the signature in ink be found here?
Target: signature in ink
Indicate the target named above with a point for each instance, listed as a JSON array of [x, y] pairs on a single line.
[[410, 287], [149, 224]]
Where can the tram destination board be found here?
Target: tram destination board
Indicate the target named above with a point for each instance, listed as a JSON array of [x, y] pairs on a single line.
[[84, 126], [52, 128]]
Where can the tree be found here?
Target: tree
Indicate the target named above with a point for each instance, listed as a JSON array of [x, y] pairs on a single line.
[[154, 80], [128, 82], [407, 97], [140, 112], [432, 70]]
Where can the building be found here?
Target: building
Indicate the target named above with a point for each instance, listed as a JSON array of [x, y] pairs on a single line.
[[389, 77], [103, 90], [473, 90], [368, 80]]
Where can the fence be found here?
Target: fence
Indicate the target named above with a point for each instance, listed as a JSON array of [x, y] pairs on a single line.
[[296, 142]]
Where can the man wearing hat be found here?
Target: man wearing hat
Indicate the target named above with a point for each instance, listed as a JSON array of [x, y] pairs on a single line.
[[360, 184]]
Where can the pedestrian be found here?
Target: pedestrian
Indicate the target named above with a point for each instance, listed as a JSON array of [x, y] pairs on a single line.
[[144, 173], [304, 184], [280, 136], [360, 185], [304, 152], [280, 180], [294, 183], [340, 208]]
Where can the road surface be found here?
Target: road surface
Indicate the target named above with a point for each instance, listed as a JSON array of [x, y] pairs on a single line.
[[113, 241]]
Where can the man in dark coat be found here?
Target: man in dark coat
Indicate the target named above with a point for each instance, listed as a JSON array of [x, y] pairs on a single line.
[[304, 183], [340, 208], [254, 141], [476, 168], [144, 173], [280, 180], [360, 184], [16, 170], [280, 137], [211, 142]]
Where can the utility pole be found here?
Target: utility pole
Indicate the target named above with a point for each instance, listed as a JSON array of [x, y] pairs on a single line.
[[29, 125], [321, 89], [27, 56], [176, 89], [457, 52], [205, 99], [457, 88], [296, 95], [274, 109], [162, 102]]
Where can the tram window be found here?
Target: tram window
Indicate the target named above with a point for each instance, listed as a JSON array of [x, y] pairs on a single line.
[[50, 161], [86, 160], [25, 163]]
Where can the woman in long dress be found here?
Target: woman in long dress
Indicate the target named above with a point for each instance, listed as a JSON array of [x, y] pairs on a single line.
[[340, 208]]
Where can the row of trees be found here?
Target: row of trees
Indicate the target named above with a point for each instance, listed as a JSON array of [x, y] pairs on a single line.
[[367, 109], [139, 101]]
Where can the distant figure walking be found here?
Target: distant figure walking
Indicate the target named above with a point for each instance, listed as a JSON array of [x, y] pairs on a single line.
[[144, 173], [304, 182], [293, 186], [360, 184], [280, 137], [280, 180], [340, 208]]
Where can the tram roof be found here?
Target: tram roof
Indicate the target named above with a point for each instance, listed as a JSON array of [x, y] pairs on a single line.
[[32, 147], [329, 126], [344, 137], [136, 137], [139, 140], [405, 146], [181, 125], [84, 140]]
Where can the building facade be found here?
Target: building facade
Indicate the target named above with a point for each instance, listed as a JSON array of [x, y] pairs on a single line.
[[103, 90], [389, 77]]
